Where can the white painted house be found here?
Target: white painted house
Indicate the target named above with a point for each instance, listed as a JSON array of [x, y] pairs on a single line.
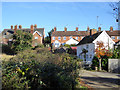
[[72, 41], [56, 44], [90, 43]]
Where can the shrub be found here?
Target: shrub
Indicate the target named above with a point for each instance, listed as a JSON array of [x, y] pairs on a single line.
[[40, 68]]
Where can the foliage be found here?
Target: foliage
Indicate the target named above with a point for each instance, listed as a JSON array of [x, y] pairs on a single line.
[[40, 68], [101, 51], [38, 46], [67, 45], [7, 49], [116, 54], [48, 38], [21, 41], [95, 62]]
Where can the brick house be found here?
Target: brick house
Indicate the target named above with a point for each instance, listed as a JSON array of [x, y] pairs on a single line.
[[64, 36], [38, 34], [61, 37]]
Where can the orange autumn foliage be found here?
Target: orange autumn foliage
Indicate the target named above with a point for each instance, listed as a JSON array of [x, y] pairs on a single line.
[[101, 51]]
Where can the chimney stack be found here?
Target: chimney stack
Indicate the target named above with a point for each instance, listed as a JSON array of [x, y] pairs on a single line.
[[99, 29], [35, 26], [20, 27], [32, 29], [111, 28], [76, 28], [11, 26], [15, 28], [55, 29], [65, 29]]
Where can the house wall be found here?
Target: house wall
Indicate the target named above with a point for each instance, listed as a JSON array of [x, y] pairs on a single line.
[[89, 55], [37, 41], [67, 38], [105, 38]]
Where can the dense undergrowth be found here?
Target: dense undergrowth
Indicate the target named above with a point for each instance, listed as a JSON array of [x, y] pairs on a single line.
[[35, 69]]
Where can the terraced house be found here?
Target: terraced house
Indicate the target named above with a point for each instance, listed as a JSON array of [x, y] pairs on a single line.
[[63, 37], [38, 34]]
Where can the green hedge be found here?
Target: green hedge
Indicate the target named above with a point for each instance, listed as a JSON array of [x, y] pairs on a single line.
[[35, 69]]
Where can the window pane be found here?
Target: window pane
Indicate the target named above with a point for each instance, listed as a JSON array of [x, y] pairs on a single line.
[[53, 38], [36, 37], [64, 38], [59, 38]]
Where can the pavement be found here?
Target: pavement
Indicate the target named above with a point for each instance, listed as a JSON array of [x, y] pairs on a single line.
[[102, 80]]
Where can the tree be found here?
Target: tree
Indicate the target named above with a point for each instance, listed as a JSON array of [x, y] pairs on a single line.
[[48, 38], [115, 12], [21, 40], [101, 51]]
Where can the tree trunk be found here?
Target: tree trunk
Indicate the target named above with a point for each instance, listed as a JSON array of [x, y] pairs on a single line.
[[99, 64]]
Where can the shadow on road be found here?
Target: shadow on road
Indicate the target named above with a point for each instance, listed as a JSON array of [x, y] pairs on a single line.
[[103, 80]]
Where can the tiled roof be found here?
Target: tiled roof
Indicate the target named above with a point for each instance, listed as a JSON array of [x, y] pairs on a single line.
[[11, 31], [69, 33], [89, 39], [113, 33]]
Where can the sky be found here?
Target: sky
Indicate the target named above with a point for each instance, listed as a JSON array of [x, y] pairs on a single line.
[[58, 14]]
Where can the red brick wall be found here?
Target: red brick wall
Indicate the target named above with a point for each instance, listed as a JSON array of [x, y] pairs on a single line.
[[67, 38], [38, 41]]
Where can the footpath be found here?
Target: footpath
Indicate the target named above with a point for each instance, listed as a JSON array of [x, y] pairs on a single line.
[[101, 80]]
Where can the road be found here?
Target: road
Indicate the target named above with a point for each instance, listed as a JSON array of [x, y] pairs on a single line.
[[100, 79]]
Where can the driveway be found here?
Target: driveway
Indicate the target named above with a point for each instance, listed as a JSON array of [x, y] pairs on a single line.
[[100, 79]]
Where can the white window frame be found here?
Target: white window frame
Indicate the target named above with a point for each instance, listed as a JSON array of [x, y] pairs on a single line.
[[53, 38], [64, 38], [118, 37], [76, 38], [70, 37], [36, 37], [59, 38], [113, 37]]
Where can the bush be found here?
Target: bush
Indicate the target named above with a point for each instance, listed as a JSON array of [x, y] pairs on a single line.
[[7, 49], [40, 68], [95, 62], [38, 46]]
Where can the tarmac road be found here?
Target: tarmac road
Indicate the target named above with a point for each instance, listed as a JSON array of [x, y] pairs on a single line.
[[101, 79]]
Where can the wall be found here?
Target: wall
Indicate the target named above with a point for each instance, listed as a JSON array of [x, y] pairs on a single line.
[[38, 41], [67, 38], [89, 54], [114, 65]]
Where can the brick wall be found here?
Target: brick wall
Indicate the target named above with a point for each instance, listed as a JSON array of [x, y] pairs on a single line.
[[38, 39], [67, 38]]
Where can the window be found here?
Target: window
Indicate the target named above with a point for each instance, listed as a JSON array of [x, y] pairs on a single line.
[[77, 38], [87, 46], [36, 37], [59, 38], [70, 37], [64, 38], [53, 38], [90, 56], [118, 37], [113, 37], [86, 56]]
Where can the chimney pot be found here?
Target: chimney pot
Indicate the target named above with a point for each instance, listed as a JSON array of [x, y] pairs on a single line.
[[65, 29], [35, 26], [111, 28], [76, 28], [55, 29], [32, 29], [20, 27], [15, 28], [11, 26], [99, 29]]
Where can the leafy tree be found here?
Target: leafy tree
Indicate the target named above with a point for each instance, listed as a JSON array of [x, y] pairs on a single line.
[[101, 51], [21, 41], [48, 38]]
